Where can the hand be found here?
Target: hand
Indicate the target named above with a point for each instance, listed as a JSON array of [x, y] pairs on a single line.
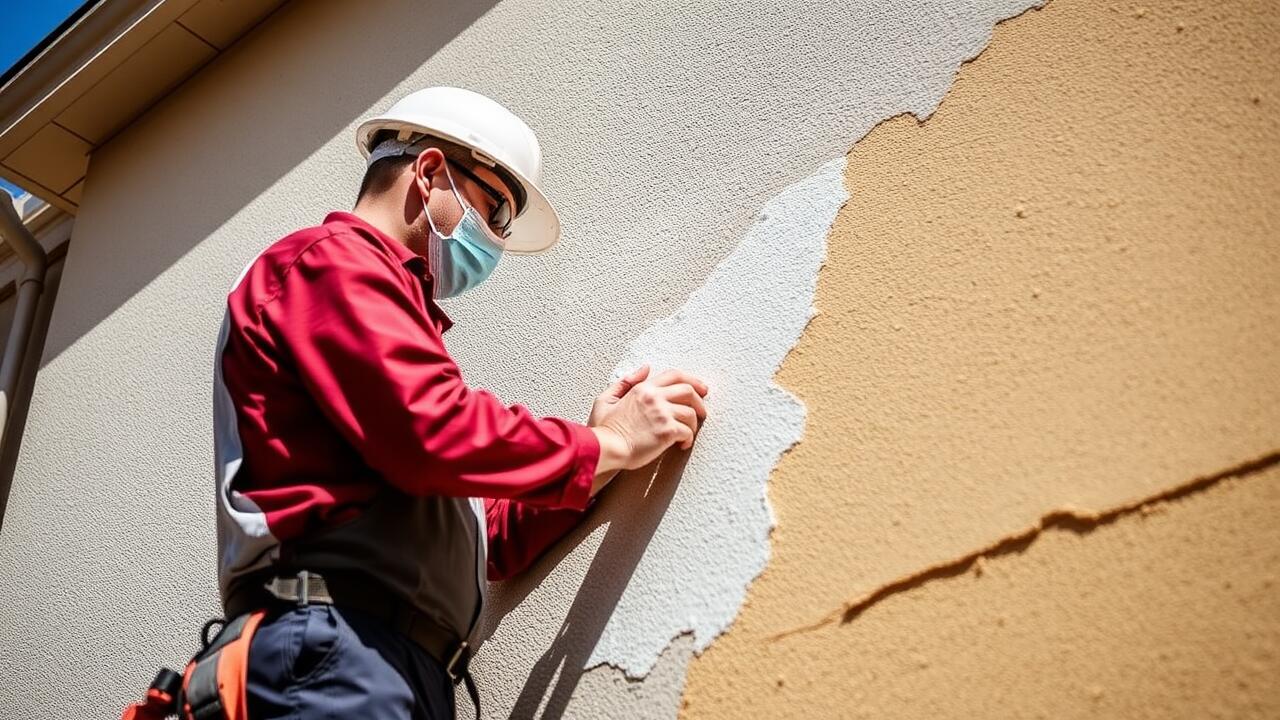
[[638, 418], [613, 394]]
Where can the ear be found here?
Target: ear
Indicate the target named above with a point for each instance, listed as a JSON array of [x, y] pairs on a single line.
[[425, 166]]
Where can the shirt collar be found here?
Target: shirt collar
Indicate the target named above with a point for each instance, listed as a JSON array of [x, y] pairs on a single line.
[[395, 247], [413, 262]]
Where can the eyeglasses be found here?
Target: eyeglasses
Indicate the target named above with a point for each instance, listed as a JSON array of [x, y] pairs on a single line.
[[500, 219]]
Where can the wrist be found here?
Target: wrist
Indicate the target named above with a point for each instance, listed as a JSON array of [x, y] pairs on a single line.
[[613, 456], [613, 449]]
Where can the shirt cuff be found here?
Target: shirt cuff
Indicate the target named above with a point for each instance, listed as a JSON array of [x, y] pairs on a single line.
[[577, 492]]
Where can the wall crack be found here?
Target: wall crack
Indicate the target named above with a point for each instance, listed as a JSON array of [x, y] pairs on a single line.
[[1066, 519]]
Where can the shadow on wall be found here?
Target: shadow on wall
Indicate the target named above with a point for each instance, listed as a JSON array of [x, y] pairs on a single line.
[[633, 507], [295, 83]]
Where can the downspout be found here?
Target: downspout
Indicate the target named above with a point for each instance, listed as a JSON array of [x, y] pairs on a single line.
[[30, 285]]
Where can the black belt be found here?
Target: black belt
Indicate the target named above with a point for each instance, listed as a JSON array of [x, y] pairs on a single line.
[[367, 598]]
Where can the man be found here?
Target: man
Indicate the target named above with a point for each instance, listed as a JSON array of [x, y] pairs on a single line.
[[350, 451]]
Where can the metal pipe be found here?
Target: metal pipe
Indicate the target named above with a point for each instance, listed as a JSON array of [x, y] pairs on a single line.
[[30, 286]]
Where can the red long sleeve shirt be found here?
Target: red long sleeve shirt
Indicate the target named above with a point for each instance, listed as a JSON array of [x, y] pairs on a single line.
[[333, 361]]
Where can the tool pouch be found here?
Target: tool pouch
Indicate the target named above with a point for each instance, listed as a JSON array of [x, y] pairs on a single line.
[[213, 686]]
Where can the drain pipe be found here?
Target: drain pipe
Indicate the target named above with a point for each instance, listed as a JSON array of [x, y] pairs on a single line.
[[30, 285]]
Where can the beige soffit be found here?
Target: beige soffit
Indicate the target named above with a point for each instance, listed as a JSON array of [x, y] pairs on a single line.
[[114, 62]]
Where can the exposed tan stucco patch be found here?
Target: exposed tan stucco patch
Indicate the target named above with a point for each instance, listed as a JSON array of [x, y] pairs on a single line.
[[1168, 614], [1059, 291], [1062, 519]]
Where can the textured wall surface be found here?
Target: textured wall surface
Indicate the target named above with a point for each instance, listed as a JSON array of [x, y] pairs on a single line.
[[733, 332], [666, 128], [1171, 613], [1057, 291], [1054, 299], [686, 535]]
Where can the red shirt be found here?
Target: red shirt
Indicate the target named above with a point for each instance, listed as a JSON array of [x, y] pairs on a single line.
[[337, 369]]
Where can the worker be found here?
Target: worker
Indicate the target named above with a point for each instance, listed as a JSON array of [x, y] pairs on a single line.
[[364, 490]]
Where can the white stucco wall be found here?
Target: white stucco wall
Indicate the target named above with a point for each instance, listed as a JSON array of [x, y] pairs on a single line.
[[667, 129]]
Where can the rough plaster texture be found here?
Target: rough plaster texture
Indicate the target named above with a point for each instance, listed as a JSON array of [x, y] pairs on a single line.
[[607, 692], [733, 332], [1171, 613], [666, 129], [1057, 292]]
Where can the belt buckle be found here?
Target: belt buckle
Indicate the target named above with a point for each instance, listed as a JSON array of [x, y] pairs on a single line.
[[453, 662], [296, 589], [304, 588]]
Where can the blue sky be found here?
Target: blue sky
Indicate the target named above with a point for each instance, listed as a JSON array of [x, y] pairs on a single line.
[[27, 22], [24, 24], [10, 188]]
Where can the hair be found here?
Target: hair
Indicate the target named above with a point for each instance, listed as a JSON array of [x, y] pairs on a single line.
[[382, 174]]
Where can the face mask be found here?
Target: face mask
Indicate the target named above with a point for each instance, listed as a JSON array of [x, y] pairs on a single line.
[[466, 257]]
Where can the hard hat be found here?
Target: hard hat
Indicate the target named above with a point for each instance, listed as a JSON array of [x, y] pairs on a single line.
[[496, 137]]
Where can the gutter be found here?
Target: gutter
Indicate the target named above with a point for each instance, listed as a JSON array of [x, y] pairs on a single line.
[[30, 286]]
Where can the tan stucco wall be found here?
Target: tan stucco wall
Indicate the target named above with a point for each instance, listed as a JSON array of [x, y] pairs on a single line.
[[1059, 291], [1171, 614]]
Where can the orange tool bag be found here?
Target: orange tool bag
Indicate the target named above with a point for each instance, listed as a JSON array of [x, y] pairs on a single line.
[[213, 686]]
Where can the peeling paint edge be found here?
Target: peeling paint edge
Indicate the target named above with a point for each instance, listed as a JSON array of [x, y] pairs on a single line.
[[636, 680], [820, 195], [982, 48], [594, 663], [1065, 519]]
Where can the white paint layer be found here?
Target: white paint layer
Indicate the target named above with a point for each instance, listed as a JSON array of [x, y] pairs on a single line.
[[733, 332]]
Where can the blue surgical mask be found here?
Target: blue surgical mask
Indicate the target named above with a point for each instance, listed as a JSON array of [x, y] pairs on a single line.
[[464, 258]]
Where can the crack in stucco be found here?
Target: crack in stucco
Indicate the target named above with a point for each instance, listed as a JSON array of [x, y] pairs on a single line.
[[607, 666], [1068, 519]]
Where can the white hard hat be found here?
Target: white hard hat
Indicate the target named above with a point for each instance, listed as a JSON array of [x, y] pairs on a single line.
[[496, 137]]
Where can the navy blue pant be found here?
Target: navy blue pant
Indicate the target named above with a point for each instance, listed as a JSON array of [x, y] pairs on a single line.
[[321, 662]]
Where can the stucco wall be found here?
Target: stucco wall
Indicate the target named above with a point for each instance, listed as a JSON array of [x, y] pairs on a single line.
[[1051, 304], [1037, 298]]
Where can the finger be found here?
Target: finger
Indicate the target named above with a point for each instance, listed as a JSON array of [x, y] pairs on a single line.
[[637, 376], [675, 377], [628, 381], [684, 394], [682, 435], [689, 420]]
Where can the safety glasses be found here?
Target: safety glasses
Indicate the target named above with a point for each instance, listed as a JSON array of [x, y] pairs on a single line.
[[501, 217]]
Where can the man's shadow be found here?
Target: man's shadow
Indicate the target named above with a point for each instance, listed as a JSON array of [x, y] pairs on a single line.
[[633, 505]]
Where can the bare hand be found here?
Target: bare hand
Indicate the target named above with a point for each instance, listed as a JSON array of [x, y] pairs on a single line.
[[638, 417]]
